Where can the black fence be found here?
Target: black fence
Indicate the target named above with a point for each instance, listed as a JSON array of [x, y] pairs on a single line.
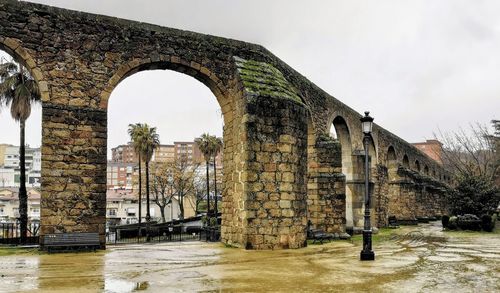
[[10, 233], [178, 233]]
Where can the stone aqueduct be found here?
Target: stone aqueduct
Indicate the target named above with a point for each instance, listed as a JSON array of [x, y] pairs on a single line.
[[281, 167]]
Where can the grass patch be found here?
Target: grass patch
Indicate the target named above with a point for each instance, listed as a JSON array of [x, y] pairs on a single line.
[[227, 245], [8, 250], [384, 234]]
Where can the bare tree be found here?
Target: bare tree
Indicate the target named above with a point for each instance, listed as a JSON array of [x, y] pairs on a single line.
[[183, 180], [162, 186], [176, 179], [471, 153], [199, 192]]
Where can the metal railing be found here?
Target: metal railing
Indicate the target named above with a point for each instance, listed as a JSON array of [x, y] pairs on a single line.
[[10, 233], [168, 234], [143, 235]]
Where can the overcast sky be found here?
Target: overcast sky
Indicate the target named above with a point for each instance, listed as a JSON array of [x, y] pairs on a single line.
[[416, 65]]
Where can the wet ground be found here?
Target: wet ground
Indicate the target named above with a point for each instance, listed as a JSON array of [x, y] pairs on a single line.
[[409, 259]]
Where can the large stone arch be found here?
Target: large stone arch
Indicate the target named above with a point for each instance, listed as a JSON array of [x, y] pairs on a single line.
[[21, 55], [174, 63]]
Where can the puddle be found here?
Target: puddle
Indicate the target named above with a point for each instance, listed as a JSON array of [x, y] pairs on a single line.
[[417, 261]]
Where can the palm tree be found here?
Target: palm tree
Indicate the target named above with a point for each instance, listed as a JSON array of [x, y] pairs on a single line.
[[206, 147], [19, 91], [150, 140], [135, 135], [216, 148]]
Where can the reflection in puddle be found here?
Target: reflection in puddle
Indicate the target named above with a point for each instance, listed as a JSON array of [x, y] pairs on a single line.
[[123, 286]]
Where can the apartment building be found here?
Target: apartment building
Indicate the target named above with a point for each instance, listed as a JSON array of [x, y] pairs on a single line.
[[124, 154], [10, 170], [165, 153], [3, 147], [120, 175], [122, 207], [9, 205], [191, 151]]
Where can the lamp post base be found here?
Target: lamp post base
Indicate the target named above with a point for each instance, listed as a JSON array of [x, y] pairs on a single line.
[[367, 255], [367, 252]]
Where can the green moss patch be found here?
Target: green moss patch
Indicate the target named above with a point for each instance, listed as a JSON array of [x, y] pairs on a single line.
[[263, 79]]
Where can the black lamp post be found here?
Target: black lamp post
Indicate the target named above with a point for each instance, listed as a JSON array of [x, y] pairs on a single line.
[[367, 252]]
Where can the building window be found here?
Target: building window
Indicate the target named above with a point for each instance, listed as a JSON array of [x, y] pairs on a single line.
[[131, 212], [112, 212]]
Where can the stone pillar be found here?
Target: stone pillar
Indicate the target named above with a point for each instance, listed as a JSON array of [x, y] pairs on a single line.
[[357, 190], [273, 177], [381, 194], [402, 200], [326, 198], [73, 195]]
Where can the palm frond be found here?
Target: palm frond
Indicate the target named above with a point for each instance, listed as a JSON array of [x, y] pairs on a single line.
[[18, 90]]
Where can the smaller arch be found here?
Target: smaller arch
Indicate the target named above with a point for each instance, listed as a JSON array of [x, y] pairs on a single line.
[[426, 170], [417, 166], [341, 132], [391, 162], [406, 161]]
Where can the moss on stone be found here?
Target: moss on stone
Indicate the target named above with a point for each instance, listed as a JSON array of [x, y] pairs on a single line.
[[265, 80]]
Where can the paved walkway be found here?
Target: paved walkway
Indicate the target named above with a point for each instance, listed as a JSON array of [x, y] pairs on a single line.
[[410, 259]]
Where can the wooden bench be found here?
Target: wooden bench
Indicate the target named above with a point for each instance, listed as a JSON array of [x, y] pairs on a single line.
[[73, 241], [320, 235]]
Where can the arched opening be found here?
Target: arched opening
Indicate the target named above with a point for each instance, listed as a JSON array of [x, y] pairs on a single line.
[[417, 165], [406, 162], [16, 134], [426, 170], [340, 131], [392, 164], [181, 109]]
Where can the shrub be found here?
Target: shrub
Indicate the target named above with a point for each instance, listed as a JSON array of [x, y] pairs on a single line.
[[452, 223], [469, 222], [486, 223], [473, 195], [445, 220]]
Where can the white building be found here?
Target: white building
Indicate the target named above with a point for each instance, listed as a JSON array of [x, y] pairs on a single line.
[[10, 171], [122, 208], [9, 205]]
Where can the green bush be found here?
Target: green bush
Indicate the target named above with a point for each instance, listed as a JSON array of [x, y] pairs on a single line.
[[445, 220], [469, 222], [473, 195], [487, 223], [453, 223]]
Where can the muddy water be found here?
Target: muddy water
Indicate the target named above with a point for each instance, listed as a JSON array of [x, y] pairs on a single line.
[[426, 260]]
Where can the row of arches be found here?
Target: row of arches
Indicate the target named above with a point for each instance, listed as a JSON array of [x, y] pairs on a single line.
[[352, 157], [392, 163]]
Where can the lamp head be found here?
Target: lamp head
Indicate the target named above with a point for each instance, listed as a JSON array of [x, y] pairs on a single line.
[[367, 123]]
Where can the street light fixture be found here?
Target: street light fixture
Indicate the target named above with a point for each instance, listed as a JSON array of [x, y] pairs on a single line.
[[367, 252]]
